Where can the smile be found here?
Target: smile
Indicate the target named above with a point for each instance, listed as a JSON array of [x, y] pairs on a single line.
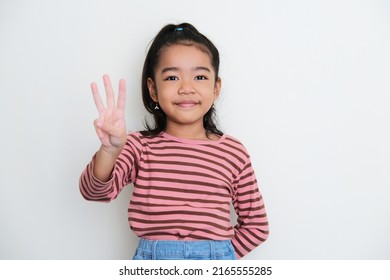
[[187, 104]]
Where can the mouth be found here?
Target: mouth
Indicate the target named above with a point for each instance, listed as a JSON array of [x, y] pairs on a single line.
[[187, 104]]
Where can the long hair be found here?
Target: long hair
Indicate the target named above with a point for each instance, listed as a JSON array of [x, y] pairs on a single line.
[[182, 34]]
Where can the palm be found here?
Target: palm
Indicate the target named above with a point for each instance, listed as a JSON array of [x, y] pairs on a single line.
[[111, 125]]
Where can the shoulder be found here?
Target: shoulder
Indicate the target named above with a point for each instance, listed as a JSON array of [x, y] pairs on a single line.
[[134, 137], [235, 144], [138, 143], [137, 138]]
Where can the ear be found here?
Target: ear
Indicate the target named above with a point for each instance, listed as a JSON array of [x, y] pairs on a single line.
[[217, 88], [152, 89]]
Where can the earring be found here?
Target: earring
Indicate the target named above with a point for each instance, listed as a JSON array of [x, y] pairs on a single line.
[[156, 107]]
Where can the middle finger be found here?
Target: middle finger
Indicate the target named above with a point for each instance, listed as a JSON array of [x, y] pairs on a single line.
[[109, 92]]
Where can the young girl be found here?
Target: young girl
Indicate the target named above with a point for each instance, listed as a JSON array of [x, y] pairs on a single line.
[[185, 171]]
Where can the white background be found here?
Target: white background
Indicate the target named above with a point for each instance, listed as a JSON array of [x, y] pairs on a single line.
[[305, 87]]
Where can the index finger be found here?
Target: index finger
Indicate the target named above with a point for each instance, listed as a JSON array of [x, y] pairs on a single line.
[[122, 95]]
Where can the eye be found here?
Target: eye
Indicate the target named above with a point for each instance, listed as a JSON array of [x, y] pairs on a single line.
[[200, 77], [171, 78]]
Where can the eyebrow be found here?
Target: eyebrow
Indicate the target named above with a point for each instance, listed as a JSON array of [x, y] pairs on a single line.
[[167, 69]]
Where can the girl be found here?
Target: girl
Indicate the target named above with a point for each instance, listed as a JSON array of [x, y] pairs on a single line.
[[185, 171]]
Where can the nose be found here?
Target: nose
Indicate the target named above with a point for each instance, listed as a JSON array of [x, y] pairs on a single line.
[[186, 87]]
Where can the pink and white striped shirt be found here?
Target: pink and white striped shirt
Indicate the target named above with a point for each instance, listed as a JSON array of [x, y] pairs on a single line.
[[183, 190]]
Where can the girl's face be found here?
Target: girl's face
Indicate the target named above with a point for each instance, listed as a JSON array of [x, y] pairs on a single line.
[[185, 88]]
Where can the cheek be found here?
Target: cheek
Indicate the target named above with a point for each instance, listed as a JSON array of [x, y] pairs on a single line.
[[164, 95], [167, 90], [164, 88]]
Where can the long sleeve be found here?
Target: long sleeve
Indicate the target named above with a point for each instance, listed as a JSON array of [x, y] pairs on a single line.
[[183, 190], [124, 173], [252, 224]]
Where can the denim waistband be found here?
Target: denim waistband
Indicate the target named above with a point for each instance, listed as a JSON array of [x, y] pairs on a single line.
[[185, 249]]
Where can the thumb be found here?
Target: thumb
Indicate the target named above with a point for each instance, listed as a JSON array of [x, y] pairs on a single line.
[[103, 126], [110, 129], [98, 127]]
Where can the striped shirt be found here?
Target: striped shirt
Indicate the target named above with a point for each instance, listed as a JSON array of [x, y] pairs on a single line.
[[183, 190]]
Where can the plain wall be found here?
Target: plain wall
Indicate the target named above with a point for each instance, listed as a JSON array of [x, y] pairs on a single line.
[[305, 87]]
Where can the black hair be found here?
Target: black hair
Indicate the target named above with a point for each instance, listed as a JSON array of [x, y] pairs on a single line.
[[169, 35]]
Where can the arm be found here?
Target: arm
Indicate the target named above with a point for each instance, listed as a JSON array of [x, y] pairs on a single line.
[[123, 173], [252, 224], [110, 127]]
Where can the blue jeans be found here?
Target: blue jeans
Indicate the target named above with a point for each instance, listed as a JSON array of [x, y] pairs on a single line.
[[184, 250]]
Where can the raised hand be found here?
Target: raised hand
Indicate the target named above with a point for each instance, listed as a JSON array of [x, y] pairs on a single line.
[[111, 125]]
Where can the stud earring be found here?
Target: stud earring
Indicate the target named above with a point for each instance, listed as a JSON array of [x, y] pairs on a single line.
[[156, 107]]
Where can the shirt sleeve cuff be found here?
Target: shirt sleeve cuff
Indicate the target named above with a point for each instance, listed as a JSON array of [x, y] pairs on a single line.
[[98, 184]]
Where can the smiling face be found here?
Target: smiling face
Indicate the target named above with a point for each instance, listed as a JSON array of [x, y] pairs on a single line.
[[185, 87]]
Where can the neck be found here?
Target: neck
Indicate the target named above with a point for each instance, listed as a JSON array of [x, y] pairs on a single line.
[[186, 131]]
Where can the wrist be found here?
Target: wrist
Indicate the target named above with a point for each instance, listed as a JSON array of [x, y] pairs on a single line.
[[110, 152], [104, 162]]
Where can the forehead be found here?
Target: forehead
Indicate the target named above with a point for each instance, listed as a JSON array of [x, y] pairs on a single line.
[[183, 56]]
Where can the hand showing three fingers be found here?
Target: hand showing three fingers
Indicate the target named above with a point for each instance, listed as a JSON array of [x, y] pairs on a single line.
[[111, 125]]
